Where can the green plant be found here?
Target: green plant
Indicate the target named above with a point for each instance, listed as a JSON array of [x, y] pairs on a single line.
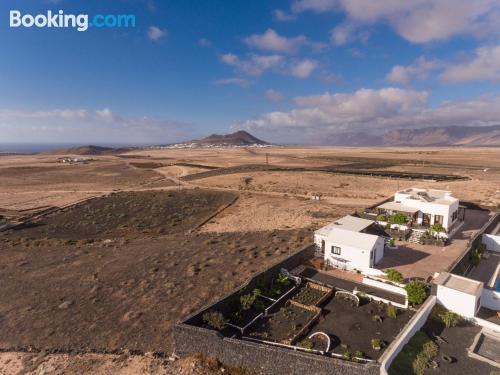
[[377, 344], [359, 354], [416, 291], [377, 318], [438, 228], [248, 300], [283, 280], [449, 318], [394, 275], [347, 356], [415, 356], [398, 218], [392, 242], [214, 319], [381, 217], [306, 344], [475, 256], [391, 311]]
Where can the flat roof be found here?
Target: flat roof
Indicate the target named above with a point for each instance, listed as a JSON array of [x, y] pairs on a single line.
[[357, 240], [430, 195], [462, 284], [350, 223], [397, 206]]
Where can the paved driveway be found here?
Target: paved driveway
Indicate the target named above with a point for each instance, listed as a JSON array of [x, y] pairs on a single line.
[[415, 260]]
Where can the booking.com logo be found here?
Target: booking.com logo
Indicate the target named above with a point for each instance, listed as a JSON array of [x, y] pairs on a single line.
[[61, 20]]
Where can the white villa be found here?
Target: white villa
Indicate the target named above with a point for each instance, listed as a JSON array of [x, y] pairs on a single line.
[[424, 208], [350, 243]]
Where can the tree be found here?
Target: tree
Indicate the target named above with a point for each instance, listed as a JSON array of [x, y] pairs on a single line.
[[394, 275], [416, 291]]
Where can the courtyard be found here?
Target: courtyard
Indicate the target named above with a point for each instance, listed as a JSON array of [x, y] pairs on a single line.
[[422, 261]]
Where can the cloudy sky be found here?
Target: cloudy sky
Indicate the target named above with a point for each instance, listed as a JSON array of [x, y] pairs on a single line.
[[288, 71]]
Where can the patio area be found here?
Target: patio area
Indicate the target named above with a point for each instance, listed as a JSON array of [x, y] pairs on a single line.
[[422, 261]]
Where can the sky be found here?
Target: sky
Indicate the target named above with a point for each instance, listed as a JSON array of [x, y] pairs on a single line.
[[294, 71]]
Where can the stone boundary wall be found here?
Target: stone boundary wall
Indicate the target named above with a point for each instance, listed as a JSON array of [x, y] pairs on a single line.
[[223, 304], [415, 323], [461, 266], [190, 337], [262, 358]]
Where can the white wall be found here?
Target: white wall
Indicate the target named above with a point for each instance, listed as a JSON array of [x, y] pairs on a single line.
[[358, 258], [415, 323], [461, 303], [491, 242], [430, 208], [490, 299]]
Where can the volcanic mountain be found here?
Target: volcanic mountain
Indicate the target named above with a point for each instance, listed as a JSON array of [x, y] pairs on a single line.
[[239, 138]]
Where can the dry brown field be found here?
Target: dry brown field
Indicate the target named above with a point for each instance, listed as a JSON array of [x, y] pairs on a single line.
[[114, 273]]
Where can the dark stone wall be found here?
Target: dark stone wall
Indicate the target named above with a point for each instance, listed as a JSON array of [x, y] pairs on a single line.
[[262, 358], [190, 338], [224, 304]]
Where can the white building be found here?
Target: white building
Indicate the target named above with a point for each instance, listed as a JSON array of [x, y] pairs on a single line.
[[350, 243], [459, 294], [425, 207]]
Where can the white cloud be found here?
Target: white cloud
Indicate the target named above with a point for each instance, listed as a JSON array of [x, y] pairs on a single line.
[[274, 96], [419, 21], [270, 40], [483, 66], [419, 69], [155, 33], [342, 33], [233, 81], [82, 125], [255, 65], [281, 15], [314, 118], [303, 68]]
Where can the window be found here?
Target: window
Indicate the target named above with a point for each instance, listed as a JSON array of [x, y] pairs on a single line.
[[335, 250], [454, 216], [438, 219]]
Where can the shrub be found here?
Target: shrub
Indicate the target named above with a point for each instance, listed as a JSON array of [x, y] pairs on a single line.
[[475, 256], [416, 292], [381, 217], [449, 318], [214, 319], [437, 228], [398, 218], [247, 300], [347, 356], [306, 344], [359, 354], [282, 280], [377, 343], [377, 318], [394, 275], [392, 312]]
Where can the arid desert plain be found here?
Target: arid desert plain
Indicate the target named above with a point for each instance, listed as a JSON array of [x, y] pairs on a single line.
[[116, 248]]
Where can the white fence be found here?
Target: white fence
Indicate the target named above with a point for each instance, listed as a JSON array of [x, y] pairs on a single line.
[[491, 242], [388, 287], [415, 323]]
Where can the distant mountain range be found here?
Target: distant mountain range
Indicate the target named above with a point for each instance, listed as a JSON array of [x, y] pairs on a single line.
[[469, 136], [432, 136]]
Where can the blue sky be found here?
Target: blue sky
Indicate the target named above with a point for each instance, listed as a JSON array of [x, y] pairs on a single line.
[[289, 71]]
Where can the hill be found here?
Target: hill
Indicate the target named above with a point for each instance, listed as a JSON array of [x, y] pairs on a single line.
[[239, 138], [432, 136], [90, 150]]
